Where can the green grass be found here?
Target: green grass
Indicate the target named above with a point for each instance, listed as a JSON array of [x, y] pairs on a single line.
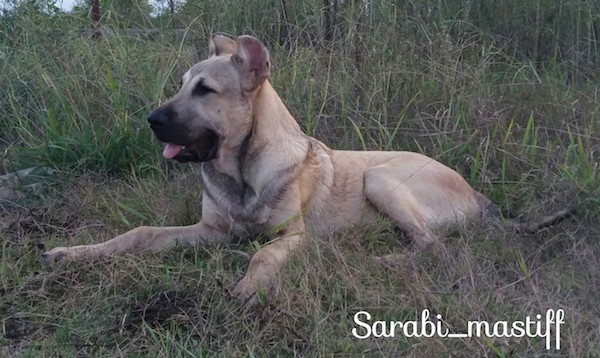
[[518, 120]]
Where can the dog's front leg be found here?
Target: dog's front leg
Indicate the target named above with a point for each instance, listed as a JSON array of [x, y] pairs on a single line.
[[141, 239], [266, 264]]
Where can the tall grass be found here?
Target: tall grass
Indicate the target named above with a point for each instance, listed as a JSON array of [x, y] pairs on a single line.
[[429, 76], [71, 102]]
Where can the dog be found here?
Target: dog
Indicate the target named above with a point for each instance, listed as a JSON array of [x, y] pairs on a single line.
[[262, 175]]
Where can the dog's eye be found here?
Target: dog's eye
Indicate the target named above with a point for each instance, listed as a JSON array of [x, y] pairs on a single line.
[[201, 89]]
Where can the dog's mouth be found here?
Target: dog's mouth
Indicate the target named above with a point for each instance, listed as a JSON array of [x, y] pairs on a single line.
[[201, 150]]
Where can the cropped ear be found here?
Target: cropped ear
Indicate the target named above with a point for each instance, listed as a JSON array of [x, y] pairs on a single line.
[[220, 45], [252, 61]]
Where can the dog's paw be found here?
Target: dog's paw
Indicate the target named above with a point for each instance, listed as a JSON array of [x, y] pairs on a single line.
[[252, 291], [57, 254], [246, 292]]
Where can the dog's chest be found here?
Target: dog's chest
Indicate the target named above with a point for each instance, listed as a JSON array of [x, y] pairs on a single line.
[[238, 201]]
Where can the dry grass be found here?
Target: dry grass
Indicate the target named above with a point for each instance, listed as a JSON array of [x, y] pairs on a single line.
[[179, 304]]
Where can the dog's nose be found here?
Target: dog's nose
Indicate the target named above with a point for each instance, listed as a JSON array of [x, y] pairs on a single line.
[[158, 117]]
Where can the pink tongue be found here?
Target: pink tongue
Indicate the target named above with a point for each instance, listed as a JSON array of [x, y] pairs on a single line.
[[171, 150]]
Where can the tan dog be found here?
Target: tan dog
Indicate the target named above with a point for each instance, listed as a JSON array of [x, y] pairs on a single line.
[[262, 174]]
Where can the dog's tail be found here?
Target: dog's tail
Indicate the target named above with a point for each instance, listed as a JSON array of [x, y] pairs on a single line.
[[532, 226]]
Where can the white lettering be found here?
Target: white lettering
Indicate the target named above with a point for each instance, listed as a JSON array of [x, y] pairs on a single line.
[[362, 324], [478, 325], [379, 329], [520, 327], [425, 327], [560, 319], [501, 325]]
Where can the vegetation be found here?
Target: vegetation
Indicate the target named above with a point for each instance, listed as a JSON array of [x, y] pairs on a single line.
[[505, 92]]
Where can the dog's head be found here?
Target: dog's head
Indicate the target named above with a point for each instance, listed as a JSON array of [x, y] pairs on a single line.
[[214, 101]]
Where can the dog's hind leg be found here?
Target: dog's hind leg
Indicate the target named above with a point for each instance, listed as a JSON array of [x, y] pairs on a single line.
[[395, 199], [141, 239]]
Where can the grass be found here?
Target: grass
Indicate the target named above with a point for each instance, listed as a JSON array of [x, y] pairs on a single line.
[[523, 132]]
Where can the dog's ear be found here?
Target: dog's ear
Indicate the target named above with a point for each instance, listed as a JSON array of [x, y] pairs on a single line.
[[253, 62], [220, 45]]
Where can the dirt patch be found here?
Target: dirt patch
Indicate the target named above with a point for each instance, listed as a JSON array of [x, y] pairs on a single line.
[[17, 328], [56, 219], [18, 333], [159, 308]]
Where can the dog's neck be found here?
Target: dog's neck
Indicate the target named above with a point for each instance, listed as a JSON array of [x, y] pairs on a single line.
[[271, 124], [275, 133], [270, 115]]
